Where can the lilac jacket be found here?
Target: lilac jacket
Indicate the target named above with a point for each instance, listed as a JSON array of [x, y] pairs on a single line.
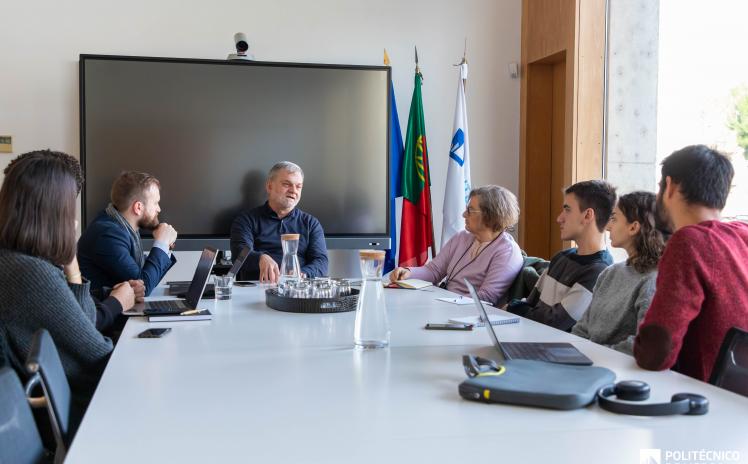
[[492, 272]]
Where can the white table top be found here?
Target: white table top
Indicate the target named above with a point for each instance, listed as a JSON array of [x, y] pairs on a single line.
[[259, 385]]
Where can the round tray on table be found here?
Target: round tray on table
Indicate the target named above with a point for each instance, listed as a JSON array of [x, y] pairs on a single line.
[[311, 305]]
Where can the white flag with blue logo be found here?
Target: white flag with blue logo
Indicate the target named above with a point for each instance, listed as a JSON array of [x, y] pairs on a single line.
[[458, 170]]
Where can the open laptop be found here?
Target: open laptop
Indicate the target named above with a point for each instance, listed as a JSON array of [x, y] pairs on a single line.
[[197, 286], [180, 287], [560, 353]]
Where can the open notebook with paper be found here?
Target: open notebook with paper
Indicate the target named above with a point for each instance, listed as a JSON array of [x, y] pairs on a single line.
[[412, 284]]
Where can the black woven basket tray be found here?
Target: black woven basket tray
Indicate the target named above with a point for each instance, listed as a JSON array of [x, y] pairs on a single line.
[[311, 305]]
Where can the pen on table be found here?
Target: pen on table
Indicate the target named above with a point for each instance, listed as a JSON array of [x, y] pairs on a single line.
[[190, 312]]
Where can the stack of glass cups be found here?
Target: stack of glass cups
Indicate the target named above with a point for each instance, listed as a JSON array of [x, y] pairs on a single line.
[[372, 328], [320, 285], [342, 287], [299, 289], [290, 270], [317, 287]]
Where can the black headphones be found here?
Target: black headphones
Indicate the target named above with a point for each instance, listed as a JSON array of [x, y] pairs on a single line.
[[635, 390]]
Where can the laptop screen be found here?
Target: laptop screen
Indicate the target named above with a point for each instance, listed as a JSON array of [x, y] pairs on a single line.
[[197, 286], [239, 261], [484, 316]]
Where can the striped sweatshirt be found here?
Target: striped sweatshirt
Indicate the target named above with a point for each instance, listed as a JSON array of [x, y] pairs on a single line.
[[564, 291]]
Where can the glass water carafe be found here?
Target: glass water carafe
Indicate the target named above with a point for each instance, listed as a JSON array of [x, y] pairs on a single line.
[[372, 329], [290, 270]]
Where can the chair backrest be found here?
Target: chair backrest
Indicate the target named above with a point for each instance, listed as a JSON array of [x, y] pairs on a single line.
[[731, 369], [523, 284], [19, 438], [8, 357], [44, 365]]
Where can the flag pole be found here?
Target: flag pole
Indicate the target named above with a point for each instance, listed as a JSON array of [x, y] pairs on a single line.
[[418, 70], [458, 167], [431, 207], [463, 61]]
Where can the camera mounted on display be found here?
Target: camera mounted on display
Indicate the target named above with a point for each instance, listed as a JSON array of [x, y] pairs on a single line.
[[242, 48]]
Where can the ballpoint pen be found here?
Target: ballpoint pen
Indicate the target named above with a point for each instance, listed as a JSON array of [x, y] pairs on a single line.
[[190, 312]]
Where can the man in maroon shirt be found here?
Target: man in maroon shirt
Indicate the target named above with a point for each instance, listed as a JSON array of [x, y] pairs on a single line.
[[702, 281]]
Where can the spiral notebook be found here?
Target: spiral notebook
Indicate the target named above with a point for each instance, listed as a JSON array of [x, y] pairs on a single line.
[[496, 319]]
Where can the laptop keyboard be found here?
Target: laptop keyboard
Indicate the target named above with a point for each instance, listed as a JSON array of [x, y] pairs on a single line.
[[519, 350], [167, 305]]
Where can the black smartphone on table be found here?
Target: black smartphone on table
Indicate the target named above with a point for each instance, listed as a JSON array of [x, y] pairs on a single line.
[[449, 326], [154, 333]]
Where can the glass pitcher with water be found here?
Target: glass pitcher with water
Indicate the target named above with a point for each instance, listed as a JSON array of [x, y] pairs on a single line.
[[290, 270], [372, 330]]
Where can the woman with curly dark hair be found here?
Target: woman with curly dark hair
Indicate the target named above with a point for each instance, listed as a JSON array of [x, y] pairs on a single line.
[[624, 290]]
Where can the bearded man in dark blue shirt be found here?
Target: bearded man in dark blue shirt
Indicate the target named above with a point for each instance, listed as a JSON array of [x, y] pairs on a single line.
[[261, 228]]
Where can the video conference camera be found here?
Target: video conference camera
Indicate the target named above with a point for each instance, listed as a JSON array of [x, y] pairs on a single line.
[[242, 48]]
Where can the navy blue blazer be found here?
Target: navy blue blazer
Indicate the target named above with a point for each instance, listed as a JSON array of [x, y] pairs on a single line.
[[106, 256]]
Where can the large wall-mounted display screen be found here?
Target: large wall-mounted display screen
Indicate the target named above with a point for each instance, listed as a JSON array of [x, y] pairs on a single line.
[[209, 130]]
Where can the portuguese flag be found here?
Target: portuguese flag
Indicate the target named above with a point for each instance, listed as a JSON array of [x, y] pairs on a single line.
[[416, 228]]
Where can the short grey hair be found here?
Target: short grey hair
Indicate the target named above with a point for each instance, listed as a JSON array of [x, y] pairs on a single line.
[[284, 166], [498, 206]]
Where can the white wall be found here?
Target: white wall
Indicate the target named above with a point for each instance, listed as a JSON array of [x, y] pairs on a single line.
[[40, 43], [632, 58], [632, 94]]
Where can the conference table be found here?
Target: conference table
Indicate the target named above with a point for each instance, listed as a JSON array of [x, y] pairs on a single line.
[[259, 385]]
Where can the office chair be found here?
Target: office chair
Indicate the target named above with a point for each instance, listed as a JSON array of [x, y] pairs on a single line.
[[19, 439], [45, 368], [8, 358], [731, 369], [528, 276]]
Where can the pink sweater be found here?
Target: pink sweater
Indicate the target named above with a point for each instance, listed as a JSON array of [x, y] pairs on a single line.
[[492, 272]]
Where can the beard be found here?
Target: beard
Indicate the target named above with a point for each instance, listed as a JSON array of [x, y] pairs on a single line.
[[286, 203], [663, 223], [148, 223]]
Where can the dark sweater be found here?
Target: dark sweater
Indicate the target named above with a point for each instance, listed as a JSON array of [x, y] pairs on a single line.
[[702, 291], [108, 314], [34, 294], [563, 292], [260, 229]]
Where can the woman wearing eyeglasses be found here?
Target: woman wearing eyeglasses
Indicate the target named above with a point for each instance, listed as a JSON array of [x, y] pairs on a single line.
[[484, 253]]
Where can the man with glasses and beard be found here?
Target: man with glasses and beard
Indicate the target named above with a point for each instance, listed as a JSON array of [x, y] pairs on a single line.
[[110, 250], [702, 280]]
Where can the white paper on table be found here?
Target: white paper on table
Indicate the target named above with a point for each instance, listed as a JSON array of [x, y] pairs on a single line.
[[461, 300]]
